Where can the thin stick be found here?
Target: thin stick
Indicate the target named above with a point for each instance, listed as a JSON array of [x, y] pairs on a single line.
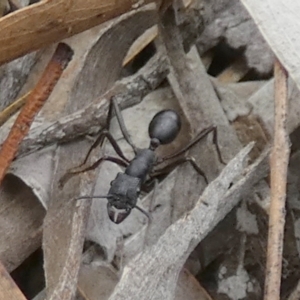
[[278, 166], [13, 108], [35, 102]]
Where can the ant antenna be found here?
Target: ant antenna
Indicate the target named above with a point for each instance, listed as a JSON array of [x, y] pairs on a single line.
[[93, 197], [144, 212]]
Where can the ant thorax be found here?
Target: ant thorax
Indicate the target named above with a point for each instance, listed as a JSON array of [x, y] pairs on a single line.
[[142, 164]]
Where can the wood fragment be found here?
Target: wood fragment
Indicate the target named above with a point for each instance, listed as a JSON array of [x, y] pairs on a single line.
[[52, 21], [21, 220], [235, 72], [66, 286], [278, 169], [38, 96], [144, 40], [8, 288], [192, 87], [276, 22]]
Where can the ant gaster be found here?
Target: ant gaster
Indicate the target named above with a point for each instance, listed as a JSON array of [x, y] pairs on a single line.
[[125, 188]]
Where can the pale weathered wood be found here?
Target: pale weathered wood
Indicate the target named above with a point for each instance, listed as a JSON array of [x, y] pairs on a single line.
[[199, 102], [21, 219], [151, 274], [278, 21], [50, 21]]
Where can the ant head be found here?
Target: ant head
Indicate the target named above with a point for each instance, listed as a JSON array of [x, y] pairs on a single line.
[[117, 215], [118, 210]]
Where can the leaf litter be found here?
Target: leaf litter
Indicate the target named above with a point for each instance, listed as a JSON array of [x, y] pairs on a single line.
[[229, 261]]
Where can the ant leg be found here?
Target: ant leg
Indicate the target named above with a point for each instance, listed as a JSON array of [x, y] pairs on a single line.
[[178, 162], [215, 141], [122, 125], [149, 185], [100, 138], [152, 201], [115, 145], [70, 174], [195, 140], [144, 212], [104, 134]]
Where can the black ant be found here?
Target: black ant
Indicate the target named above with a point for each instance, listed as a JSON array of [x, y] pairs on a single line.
[[125, 188]]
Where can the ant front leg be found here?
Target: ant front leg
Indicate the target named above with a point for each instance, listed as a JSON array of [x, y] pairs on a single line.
[[122, 124], [104, 133], [151, 185], [99, 141], [122, 161], [73, 172]]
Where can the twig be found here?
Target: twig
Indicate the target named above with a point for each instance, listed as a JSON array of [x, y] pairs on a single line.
[[278, 167], [6, 113], [36, 100], [129, 91]]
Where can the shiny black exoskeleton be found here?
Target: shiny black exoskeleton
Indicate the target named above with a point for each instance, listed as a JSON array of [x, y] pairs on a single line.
[[125, 188]]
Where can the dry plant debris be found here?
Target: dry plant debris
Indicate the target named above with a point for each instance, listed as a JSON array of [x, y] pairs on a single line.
[[35, 102], [54, 22], [278, 167], [209, 61]]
